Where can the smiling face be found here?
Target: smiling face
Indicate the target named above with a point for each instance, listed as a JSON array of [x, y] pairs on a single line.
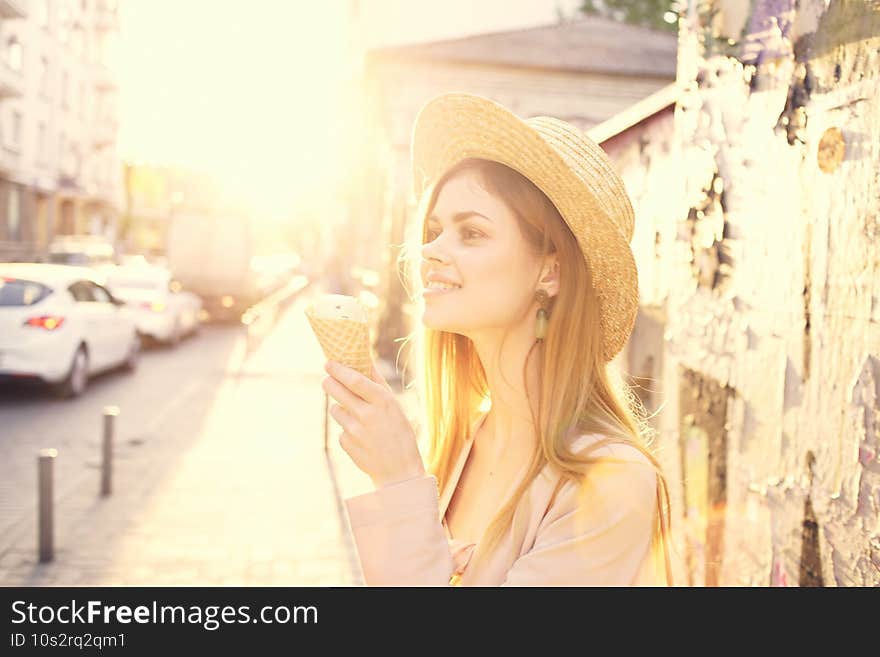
[[474, 241]]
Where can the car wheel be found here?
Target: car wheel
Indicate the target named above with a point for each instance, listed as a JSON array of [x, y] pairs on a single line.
[[174, 338], [77, 379], [134, 354]]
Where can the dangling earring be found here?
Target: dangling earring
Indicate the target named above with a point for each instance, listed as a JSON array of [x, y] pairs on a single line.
[[542, 314]]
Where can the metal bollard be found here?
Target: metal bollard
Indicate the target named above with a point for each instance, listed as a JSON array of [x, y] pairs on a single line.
[[45, 465], [110, 413], [326, 407]]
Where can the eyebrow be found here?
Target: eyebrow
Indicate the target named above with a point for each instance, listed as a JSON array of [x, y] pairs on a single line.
[[461, 216]]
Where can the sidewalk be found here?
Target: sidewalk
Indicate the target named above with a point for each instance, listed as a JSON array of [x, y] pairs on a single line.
[[240, 493]]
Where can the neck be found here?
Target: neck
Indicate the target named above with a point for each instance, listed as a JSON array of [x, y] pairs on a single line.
[[509, 426]]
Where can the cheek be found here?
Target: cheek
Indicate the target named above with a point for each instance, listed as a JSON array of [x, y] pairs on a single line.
[[500, 279]]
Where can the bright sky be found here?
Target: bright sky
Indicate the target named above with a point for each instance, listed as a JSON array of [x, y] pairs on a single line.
[[250, 96], [255, 93]]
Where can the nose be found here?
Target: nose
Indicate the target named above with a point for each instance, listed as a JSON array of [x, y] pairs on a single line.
[[432, 252]]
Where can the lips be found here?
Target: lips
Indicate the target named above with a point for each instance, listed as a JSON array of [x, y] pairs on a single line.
[[434, 278], [428, 293], [444, 287]]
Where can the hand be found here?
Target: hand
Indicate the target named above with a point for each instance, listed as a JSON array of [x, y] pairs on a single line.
[[376, 432]]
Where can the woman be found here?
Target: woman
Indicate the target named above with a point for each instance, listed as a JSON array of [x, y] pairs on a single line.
[[537, 472]]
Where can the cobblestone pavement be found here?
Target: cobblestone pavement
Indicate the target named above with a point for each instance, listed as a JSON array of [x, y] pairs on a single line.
[[235, 489]]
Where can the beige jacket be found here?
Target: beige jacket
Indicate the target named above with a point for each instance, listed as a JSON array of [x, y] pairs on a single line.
[[402, 538]]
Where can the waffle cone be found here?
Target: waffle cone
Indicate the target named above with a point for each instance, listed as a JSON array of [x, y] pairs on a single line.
[[345, 341]]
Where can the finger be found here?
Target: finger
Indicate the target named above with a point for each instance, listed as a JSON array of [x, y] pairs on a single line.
[[343, 395], [345, 419], [345, 443], [349, 445], [368, 390], [378, 378]]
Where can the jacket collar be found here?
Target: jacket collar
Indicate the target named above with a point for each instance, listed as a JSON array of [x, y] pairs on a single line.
[[455, 475]]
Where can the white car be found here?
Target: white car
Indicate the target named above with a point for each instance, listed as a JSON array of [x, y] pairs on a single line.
[[59, 325], [84, 250], [162, 310]]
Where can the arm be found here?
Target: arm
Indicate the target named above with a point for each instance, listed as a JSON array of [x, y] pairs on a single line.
[[596, 534], [399, 538]]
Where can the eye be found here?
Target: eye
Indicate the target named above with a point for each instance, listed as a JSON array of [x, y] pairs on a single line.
[[466, 233]]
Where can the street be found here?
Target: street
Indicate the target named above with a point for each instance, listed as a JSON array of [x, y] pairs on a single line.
[[220, 476]]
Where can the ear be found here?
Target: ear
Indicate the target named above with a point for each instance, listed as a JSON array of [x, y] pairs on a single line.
[[550, 275]]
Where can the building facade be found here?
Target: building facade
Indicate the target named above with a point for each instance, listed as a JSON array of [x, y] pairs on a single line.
[[757, 343], [59, 169], [153, 194]]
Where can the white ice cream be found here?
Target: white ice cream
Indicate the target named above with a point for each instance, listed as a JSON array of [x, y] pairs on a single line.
[[339, 306]]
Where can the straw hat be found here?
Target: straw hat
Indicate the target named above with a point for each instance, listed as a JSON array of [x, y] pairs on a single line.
[[570, 168]]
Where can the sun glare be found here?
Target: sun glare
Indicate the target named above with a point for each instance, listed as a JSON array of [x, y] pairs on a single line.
[[254, 95]]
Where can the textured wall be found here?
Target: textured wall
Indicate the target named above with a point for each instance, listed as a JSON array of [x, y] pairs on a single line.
[[758, 210]]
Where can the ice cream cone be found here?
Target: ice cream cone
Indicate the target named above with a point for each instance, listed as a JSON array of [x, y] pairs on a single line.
[[344, 340]]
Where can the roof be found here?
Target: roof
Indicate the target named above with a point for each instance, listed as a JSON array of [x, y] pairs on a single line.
[[49, 273], [587, 45], [635, 113]]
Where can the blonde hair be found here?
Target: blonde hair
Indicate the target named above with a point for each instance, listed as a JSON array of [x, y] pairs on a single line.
[[576, 391]]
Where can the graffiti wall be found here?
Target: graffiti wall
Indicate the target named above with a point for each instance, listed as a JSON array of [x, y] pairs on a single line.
[[758, 206]]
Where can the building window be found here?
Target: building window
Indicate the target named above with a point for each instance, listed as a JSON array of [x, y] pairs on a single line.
[[98, 105], [65, 88], [44, 75], [41, 143], [14, 54], [42, 13], [16, 129], [13, 215], [75, 161], [63, 23], [76, 42], [100, 48]]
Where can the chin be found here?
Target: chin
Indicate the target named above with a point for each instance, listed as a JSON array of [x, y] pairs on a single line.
[[439, 321], [432, 321]]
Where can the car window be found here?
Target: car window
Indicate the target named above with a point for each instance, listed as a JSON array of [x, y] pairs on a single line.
[[82, 291], [17, 292], [101, 295], [74, 258]]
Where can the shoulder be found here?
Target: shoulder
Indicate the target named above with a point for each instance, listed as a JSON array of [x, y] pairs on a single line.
[[621, 472], [601, 447]]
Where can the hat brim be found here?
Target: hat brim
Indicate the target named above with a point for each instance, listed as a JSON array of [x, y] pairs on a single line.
[[454, 127]]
